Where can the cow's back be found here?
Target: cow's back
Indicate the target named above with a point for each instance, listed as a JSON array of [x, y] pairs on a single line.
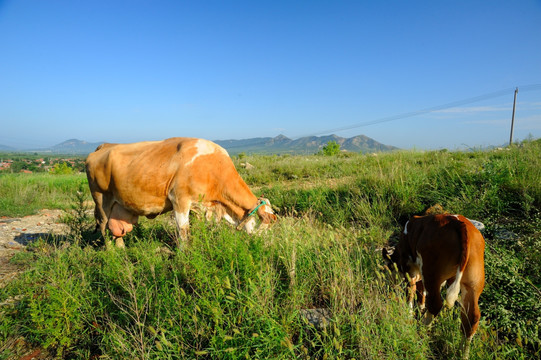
[[438, 239], [140, 175]]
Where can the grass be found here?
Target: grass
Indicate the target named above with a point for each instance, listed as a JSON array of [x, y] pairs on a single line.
[[25, 194], [230, 295]]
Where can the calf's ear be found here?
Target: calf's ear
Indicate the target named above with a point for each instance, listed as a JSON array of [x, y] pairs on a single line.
[[387, 262], [386, 253]]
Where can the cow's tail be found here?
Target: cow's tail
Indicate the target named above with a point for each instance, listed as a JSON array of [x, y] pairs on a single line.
[[454, 289]]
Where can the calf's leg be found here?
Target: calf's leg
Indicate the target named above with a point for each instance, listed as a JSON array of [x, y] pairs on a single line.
[[470, 313], [434, 302]]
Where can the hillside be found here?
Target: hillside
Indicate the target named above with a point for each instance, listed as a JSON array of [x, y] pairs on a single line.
[[74, 146], [312, 286]]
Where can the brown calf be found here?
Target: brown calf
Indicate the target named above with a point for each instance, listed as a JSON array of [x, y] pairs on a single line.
[[435, 249]]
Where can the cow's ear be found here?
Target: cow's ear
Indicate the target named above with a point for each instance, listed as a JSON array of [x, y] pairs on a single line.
[[268, 218]]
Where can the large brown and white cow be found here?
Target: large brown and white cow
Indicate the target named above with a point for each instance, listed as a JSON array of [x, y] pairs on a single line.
[[150, 178], [435, 249]]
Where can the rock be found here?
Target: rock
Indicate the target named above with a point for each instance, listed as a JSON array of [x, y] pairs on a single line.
[[479, 225], [320, 318], [247, 165], [504, 234]]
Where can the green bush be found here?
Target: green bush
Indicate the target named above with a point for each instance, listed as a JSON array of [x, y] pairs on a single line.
[[62, 169], [331, 148]]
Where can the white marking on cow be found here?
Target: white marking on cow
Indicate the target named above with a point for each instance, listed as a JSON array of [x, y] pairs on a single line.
[[182, 219], [249, 226], [203, 147], [443, 284], [419, 263], [456, 216], [454, 289], [423, 305], [268, 209], [406, 228], [229, 219], [415, 272]]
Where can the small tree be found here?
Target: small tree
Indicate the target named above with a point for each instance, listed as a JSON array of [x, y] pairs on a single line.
[[61, 169], [332, 148]]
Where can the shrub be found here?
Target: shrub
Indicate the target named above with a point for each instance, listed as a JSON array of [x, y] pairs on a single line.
[[62, 169], [331, 148]]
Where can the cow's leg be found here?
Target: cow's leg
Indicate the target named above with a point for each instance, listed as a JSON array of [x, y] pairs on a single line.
[[106, 209], [99, 212], [182, 218], [119, 242]]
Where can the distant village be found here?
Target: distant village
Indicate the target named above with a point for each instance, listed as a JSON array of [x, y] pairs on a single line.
[[28, 164]]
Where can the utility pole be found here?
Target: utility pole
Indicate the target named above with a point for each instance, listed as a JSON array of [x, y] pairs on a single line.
[[513, 118]]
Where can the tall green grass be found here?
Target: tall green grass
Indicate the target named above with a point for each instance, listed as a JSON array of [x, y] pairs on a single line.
[[230, 295], [25, 194]]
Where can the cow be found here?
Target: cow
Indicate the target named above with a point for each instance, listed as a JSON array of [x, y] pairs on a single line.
[[434, 249], [177, 174]]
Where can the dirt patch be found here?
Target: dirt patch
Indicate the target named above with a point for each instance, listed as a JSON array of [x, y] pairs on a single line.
[[17, 233]]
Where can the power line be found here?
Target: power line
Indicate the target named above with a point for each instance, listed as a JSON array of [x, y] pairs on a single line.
[[492, 95], [453, 104]]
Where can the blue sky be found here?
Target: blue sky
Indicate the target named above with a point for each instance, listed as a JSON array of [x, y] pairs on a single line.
[[124, 71]]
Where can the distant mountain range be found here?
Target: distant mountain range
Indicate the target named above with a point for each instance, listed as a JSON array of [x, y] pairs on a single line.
[[267, 145], [7, 148], [305, 145]]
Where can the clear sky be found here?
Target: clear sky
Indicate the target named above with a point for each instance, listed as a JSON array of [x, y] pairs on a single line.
[[124, 71]]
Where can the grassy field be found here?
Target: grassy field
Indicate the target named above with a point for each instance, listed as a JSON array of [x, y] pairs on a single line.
[[231, 295]]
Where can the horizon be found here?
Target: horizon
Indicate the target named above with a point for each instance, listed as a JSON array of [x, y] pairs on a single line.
[[49, 147], [421, 74]]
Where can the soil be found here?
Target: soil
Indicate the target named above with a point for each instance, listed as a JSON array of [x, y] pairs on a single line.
[[17, 233]]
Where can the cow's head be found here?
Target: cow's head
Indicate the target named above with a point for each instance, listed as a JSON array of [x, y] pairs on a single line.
[[266, 215], [264, 211], [391, 257], [393, 253]]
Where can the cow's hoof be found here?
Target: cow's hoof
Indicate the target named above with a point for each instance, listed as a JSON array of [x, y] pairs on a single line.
[[119, 242], [427, 318]]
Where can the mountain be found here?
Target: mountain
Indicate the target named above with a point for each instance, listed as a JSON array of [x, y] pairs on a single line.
[[305, 145], [68, 147], [262, 145], [6, 148], [74, 146]]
